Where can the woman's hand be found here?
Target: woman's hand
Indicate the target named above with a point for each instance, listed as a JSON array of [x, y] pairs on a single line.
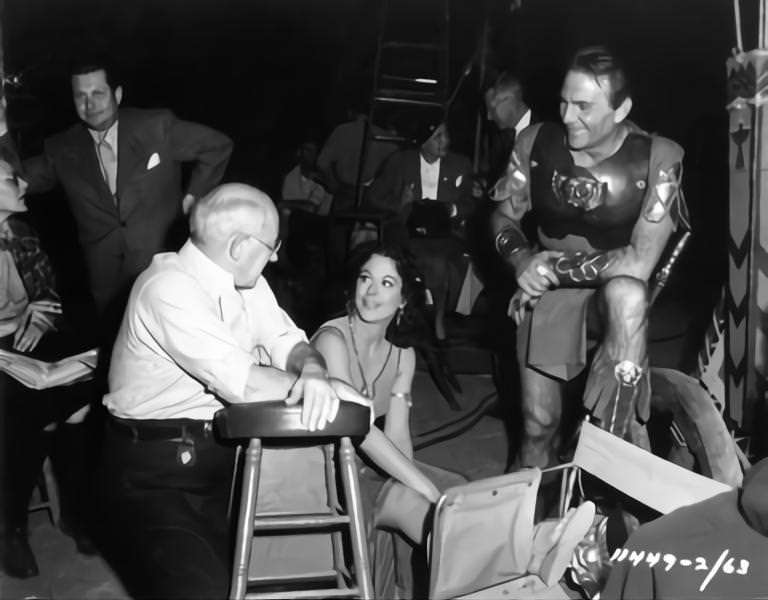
[[35, 322]]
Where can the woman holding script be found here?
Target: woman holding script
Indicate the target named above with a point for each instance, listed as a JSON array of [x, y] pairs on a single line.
[[31, 324]]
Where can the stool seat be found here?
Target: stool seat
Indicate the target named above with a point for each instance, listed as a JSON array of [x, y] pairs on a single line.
[[275, 419]]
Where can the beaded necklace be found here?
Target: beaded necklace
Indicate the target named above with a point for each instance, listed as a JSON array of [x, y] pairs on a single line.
[[365, 391]]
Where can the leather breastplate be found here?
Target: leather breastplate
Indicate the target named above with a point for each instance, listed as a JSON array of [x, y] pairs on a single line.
[[601, 203]]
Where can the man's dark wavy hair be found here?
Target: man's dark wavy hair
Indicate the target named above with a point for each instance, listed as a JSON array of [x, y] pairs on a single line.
[[408, 330], [599, 61], [83, 65]]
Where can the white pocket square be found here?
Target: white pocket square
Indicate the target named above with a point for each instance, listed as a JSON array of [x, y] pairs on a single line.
[[153, 161], [459, 179]]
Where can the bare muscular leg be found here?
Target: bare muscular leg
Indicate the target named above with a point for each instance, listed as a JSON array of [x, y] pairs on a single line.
[[542, 408], [617, 384], [624, 304]]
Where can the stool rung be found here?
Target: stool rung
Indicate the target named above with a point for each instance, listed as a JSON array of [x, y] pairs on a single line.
[[261, 523], [352, 592]]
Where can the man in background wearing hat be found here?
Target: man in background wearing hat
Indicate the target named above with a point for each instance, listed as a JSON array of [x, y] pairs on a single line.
[[427, 192], [202, 330]]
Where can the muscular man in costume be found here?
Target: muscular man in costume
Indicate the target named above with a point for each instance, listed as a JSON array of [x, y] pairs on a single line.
[[605, 197]]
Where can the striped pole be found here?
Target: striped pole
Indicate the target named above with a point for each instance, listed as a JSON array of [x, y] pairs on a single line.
[[746, 299]]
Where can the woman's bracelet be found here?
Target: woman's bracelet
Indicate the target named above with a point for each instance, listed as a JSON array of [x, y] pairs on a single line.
[[406, 396]]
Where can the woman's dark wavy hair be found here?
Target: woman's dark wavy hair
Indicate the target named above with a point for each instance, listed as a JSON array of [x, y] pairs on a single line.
[[412, 320]]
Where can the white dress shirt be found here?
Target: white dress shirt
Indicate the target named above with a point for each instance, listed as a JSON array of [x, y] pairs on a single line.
[[524, 121], [188, 339], [430, 178]]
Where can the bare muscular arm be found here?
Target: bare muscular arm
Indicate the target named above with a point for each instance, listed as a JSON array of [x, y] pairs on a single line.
[[638, 259], [512, 192]]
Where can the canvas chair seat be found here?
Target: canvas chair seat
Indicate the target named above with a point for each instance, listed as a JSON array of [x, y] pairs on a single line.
[[494, 518]]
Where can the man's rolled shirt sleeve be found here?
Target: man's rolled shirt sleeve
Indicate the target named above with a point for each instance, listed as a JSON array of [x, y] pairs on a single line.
[[186, 327], [277, 333]]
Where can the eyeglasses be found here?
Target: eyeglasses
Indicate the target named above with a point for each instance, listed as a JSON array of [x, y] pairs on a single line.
[[273, 249]]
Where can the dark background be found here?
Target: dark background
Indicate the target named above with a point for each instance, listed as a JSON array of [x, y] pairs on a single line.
[[270, 72]]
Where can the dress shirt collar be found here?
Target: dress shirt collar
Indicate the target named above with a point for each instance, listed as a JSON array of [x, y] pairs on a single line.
[[110, 136], [216, 279], [524, 121]]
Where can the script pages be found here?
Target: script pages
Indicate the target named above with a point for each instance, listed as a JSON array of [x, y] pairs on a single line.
[[38, 374]]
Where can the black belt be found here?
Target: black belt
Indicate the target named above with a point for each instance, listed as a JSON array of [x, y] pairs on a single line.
[[161, 429]]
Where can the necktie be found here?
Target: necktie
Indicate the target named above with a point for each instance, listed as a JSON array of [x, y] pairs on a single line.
[[107, 162]]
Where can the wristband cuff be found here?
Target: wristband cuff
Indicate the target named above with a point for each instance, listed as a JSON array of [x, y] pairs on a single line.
[[510, 241]]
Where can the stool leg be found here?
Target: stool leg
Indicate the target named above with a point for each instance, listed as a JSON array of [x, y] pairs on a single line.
[[356, 519], [333, 505], [244, 536], [233, 486], [52, 492]]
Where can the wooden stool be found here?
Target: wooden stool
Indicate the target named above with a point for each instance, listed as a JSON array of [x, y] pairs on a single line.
[[49, 494], [275, 423]]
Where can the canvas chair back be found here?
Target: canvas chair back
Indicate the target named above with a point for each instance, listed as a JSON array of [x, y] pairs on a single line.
[[657, 483], [482, 533]]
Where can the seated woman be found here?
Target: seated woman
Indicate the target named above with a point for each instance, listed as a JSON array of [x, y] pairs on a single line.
[[386, 296], [428, 192], [30, 316]]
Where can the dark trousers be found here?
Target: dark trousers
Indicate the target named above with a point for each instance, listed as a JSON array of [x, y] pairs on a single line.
[[24, 415], [165, 489]]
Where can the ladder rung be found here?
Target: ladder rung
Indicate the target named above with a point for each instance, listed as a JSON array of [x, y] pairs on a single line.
[[416, 80], [352, 592], [412, 45], [408, 94], [295, 578], [415, 102], [267, 522]]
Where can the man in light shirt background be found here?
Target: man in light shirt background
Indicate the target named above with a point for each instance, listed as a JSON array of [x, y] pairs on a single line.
[[202, 330]]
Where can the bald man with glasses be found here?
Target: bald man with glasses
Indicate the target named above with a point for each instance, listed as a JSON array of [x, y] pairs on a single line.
[[202, 330]]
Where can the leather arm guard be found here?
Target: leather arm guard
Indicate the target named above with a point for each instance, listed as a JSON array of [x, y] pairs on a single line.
[[510, 241], [579, 269]]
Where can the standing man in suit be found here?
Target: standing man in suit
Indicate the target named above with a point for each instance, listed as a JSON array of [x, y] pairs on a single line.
[[120, 169]]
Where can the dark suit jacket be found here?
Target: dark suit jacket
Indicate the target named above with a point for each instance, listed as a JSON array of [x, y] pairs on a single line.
[[403, 168], [119, 238]]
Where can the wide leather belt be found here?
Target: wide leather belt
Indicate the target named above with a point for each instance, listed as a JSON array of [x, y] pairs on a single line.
[[162, 429]]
